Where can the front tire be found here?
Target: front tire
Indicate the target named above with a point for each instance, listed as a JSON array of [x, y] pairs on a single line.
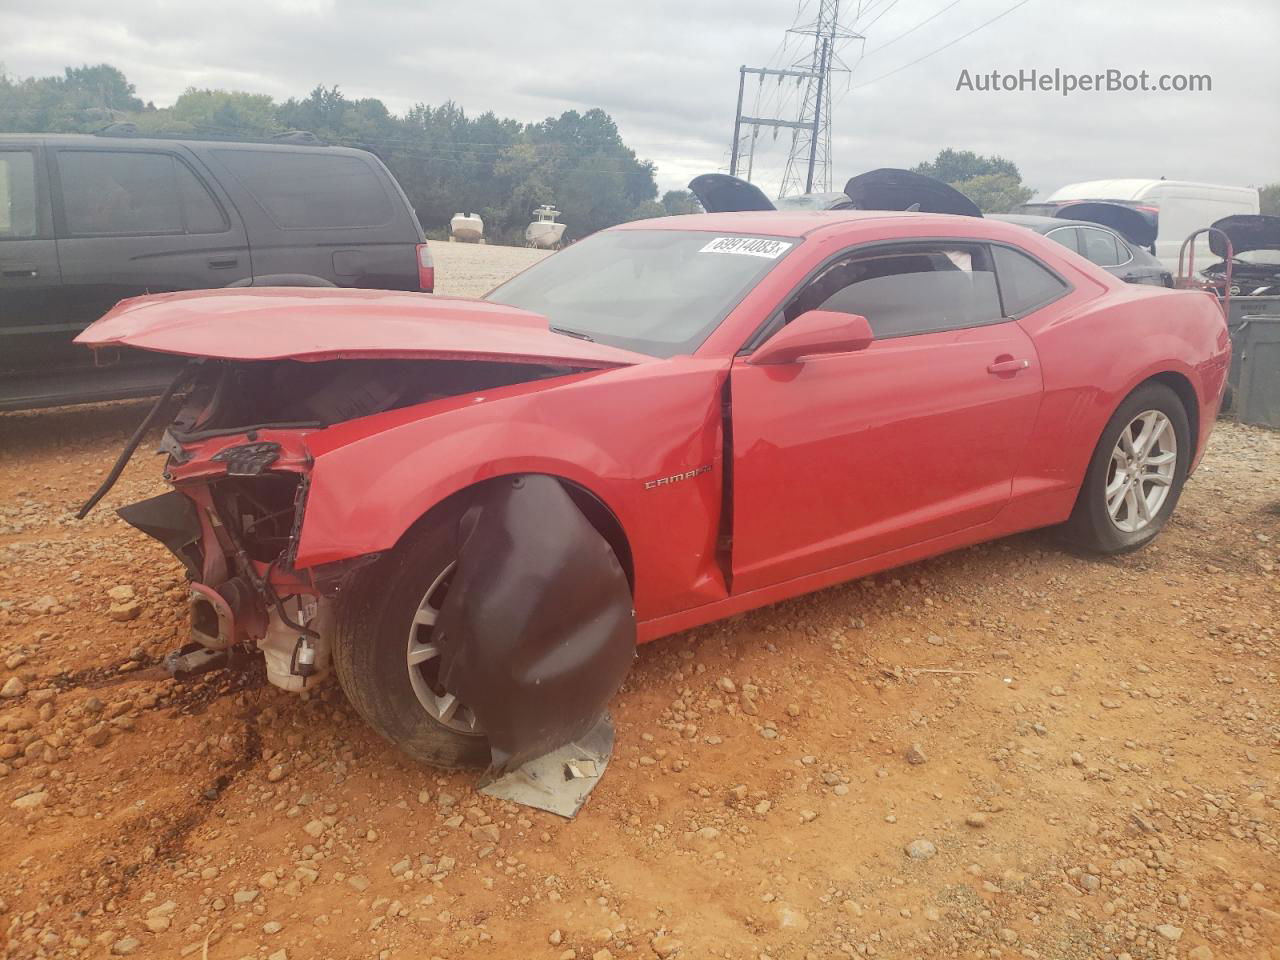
[[1136, 474], [383, 653]]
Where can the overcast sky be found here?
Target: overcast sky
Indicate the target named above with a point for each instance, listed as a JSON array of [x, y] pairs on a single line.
[[667, 72]]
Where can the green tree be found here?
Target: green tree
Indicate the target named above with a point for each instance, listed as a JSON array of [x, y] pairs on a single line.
[[214, 113], [1269, 196], [995, 192], [680, 201], [954, 166], [445, 160], [82, 100]]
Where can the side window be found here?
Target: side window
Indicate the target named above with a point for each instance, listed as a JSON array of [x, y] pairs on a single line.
[[312, 190], [1100, 247], [18, 218], [201, 212], [1067, 236], [1024, 283], [110, 194], [907, 289], [115, 193]]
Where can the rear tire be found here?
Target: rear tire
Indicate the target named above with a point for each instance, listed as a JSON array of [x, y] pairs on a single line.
[[1129, 492], [375, 617]]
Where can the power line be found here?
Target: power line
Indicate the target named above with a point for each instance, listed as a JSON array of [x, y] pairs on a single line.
[[869, 8], [904, 33], [876, 19], [950, 43]]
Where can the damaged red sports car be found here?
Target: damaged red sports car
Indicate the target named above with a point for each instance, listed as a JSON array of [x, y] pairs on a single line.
[[473, 510]]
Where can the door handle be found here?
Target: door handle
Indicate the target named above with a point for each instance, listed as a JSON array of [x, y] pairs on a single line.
[[1008, 366], [20, 271], [223, 263]]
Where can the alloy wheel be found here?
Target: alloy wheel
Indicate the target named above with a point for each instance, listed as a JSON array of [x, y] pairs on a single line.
[[423, 660], [1141, 471]]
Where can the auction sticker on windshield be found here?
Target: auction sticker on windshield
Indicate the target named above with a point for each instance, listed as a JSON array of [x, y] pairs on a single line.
[[748, 246]]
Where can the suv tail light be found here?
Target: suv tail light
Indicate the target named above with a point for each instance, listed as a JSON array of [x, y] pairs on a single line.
[[426, 269]]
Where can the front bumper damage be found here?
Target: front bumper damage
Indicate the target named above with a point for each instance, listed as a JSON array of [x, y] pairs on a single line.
[[538, 629], [235, 601]]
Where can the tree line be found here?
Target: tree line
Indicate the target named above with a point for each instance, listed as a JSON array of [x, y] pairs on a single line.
[[446, 160]]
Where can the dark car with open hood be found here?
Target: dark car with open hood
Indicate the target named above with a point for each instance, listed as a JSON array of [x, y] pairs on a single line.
[[89, 220], [1253, 255]]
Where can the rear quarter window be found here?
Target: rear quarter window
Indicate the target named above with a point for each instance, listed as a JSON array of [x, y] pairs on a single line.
[[312, 190], [1025, 283]]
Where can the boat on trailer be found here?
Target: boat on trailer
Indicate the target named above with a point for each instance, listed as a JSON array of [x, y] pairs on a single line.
[[544, 232], [467, 227]]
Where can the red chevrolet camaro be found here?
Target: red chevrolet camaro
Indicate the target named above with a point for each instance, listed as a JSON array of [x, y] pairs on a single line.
[[474, 510]]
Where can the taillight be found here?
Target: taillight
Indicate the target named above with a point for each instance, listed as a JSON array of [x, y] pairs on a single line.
[[426, 269]]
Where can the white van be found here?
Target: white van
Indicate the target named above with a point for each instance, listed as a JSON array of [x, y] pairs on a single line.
[[1183, 207]]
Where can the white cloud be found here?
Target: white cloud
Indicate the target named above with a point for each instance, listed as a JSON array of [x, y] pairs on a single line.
[[668, 72]]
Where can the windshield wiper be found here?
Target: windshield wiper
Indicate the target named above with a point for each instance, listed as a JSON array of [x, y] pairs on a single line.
[[578, 334]]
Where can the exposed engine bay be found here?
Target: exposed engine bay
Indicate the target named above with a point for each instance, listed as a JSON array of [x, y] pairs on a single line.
[[230, 396], [1248, 278], [239, 463]]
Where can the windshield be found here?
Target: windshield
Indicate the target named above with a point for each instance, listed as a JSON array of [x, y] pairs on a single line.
[[659, 292]]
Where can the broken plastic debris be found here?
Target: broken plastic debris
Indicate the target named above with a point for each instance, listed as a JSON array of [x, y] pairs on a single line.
[[546, 783], [580, 769]]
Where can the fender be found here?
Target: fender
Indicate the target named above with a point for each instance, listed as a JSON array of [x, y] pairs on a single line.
[[1092, 367], [659, 473]]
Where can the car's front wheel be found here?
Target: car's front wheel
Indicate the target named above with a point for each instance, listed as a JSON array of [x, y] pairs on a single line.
[[385, 656], [1135, 475]]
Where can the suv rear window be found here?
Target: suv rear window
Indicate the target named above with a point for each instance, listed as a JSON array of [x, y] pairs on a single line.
[[312, 191], [131, 193]]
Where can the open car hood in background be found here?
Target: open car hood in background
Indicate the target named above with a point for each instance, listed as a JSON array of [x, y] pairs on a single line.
[[721, 193], [1248, 231], [314, 324], [892, 189], [1138, 225]]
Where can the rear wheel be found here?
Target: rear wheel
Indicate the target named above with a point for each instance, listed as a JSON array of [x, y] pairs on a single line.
[[385, 656], [1136, 474]]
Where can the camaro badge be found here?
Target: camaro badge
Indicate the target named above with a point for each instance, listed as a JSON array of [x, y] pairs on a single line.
[[677, 477]]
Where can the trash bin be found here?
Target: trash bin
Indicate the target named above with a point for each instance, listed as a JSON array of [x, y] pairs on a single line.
[[1241, 309], [1258, 398]]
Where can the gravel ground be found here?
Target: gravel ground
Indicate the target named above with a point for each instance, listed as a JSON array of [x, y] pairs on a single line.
[[1010, 751]]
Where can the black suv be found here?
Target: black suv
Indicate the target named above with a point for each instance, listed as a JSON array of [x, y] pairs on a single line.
[[88, 220]]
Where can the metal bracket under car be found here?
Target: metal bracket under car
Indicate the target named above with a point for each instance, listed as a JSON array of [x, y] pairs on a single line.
[[537, 631], [560, 781]]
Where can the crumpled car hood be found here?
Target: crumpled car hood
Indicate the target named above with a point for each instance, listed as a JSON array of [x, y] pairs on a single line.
[[315, 324]]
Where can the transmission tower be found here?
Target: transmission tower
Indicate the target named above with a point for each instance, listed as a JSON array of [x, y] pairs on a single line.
[[808, 166]]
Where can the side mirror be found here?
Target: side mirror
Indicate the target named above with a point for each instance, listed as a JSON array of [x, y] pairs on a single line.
[[815, 333]]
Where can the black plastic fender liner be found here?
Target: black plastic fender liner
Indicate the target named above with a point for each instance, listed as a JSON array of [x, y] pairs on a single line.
[[537, 631], [172, 519]]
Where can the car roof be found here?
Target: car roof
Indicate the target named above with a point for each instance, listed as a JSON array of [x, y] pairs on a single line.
[[142, 142], [1044, 224], [1131, 188], [805, 223]]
